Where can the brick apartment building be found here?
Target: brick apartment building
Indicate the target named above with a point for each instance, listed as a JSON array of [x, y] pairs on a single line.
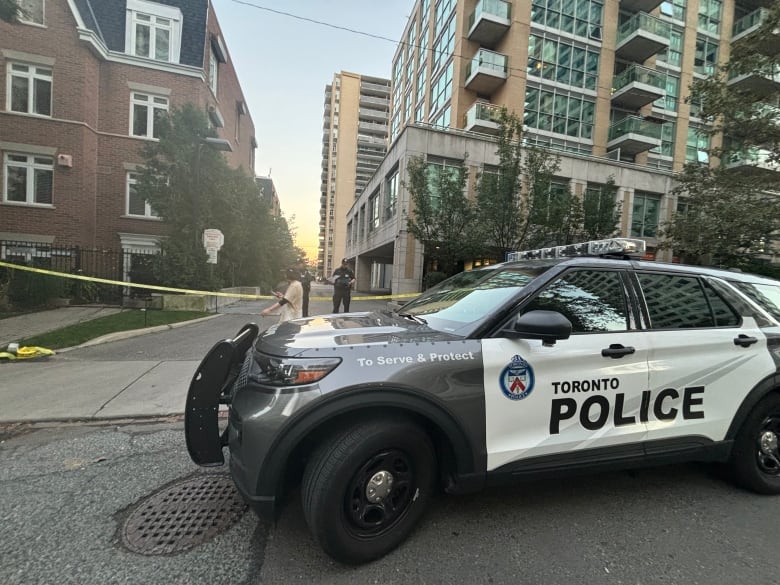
[[85, 81]]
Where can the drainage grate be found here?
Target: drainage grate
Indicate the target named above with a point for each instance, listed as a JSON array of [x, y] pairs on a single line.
[[183, 515]]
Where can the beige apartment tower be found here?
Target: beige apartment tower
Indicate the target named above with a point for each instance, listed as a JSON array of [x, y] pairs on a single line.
[[601, 82], [354, 142]]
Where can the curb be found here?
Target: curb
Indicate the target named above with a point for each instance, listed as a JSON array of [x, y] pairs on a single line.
[[119, 335]]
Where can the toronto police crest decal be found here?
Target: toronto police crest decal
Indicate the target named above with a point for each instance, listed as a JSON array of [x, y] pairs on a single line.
[[517, 379]]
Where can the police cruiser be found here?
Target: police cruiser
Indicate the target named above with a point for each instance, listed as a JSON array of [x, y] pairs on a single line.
[[563, 360]]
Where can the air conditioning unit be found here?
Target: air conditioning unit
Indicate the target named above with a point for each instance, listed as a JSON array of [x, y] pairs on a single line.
[[65, 160]]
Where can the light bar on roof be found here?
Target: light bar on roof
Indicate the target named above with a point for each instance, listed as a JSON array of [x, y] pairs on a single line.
[[622, 247]]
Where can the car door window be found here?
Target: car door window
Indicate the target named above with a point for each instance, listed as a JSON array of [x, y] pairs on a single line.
[[593, 300], [684, 302]]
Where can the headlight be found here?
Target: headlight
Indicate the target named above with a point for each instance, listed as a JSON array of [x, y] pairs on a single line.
[[294, 371]]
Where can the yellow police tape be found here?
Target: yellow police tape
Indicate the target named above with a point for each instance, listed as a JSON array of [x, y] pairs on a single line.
[[182, 290], [26, 353]]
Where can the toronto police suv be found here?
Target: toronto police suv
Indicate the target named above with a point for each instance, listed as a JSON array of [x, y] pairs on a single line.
[[565, 360]]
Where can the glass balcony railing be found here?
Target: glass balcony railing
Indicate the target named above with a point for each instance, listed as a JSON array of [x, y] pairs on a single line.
[[487, 60], [642, 21], [639, 74], [769, 71], [497, 8], [635, 125], [749, 21], [481, 112]]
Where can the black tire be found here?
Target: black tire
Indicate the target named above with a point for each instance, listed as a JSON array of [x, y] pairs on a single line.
[[755, 457], [346, 523]]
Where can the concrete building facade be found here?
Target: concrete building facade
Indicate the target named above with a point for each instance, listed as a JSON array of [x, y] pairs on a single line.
[[603, 83], [354, 142], [84, 84]]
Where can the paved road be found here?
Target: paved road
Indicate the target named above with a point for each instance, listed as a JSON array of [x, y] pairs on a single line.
[[62, 504]]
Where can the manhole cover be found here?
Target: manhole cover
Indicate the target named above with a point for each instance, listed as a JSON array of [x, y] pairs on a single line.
[[183, 515]]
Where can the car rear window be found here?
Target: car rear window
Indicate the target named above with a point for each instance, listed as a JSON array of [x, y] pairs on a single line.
[[767, 296]]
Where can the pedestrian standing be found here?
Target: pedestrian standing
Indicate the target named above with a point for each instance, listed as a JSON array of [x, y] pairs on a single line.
[[305, 278], [343, 278], [290, 302]]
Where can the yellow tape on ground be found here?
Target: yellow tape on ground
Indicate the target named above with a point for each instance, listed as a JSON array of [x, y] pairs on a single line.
[[181, 290]]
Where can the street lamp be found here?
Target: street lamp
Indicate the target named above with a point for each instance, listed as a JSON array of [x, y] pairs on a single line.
[[217, 143]]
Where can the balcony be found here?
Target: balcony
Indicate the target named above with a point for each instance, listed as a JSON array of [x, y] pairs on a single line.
[[369, 114], [480, 117], [374, 88], [753, 160], [373, 128], [365, 139], [636, 87], [641, 37], [764, 81], [381, 103], [326, 136], [640, 5], [486, 72], [489, 22], [633, 135], [750, 23]]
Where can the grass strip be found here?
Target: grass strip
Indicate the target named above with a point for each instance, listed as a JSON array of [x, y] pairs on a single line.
[[125, 321]]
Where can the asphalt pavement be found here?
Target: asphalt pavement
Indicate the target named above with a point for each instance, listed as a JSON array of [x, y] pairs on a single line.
[[102, 379]]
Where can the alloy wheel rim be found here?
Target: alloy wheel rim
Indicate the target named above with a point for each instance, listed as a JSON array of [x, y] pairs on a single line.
[[768, 442]]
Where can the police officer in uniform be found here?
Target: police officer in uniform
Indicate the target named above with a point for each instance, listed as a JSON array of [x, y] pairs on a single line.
[[343, 278], [305, 278]]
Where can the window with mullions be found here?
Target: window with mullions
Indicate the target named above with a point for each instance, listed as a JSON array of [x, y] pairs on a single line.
[[668, 129], [577, 17], [391, 194], [443, 47], [137, 205], [373, 211], [706, 58], [443, 119], [444, 9], [421, 78], [709, 16], [30, 89], [410, 38], [559, 112], [438, 172], [441, 90], [646, 211], [425, 12], [27, 178], [32, 11], [559, 61], [145, 114], [669, 101], [408, 105], [673, 54], [674, 9], [697, 145], [153, 30]]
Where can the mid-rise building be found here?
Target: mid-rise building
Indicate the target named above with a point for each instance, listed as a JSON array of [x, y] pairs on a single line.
[[603, 83], [269, 195], [354, 142], [85, 83]]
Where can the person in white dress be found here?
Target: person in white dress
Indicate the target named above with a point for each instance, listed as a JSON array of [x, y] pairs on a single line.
[[291, 302]]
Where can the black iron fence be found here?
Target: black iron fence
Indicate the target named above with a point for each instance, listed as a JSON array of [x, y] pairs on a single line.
[[124, 265]]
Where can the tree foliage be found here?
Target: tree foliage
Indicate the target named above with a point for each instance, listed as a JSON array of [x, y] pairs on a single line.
[[442, 217], [9, 10], [731, 216], [191, 187]]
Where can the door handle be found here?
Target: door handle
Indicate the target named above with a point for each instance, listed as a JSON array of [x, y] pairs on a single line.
[[744, 340], [616, 351]]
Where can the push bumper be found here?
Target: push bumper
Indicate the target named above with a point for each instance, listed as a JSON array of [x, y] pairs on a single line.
[[209, 388]]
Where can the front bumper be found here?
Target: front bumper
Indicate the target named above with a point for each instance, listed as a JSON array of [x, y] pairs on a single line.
[[209, 388]]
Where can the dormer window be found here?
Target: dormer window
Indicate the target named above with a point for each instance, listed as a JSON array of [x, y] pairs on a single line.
[[153, 31]]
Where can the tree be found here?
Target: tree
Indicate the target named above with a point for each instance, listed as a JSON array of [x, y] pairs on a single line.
[[729, 213], [601, 211], [191, 187], [442, 218]]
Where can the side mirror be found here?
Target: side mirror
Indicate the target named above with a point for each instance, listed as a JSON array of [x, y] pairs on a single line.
[[549, 326]]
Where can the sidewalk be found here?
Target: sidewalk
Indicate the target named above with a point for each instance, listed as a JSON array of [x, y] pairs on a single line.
[[68, 387]]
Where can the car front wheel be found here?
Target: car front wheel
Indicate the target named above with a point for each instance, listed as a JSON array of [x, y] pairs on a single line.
[[755, 457], [365, 489]]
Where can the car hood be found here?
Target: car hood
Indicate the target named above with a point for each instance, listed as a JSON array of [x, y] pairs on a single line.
[[345, 329]]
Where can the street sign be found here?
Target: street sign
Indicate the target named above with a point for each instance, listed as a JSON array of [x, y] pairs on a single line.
[[213, 238], [213, 253]]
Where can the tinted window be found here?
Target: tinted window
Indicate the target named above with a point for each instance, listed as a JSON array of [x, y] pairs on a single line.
[[593, 300], [681, 302], [766, 295]]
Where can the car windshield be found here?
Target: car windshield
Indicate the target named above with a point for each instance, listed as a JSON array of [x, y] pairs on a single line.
[[766, 295], [466, 299]]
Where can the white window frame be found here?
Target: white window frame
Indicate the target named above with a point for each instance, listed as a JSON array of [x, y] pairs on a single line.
[[213, 72], [150, 12], [34, 72], [152, 102], [30, 165], [23, 4], [148, 211]]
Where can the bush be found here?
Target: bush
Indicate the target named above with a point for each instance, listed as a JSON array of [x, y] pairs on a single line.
[[28, 290], [432, 279]]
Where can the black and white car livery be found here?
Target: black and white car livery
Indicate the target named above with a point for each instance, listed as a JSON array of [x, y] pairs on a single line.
[[561, 363]]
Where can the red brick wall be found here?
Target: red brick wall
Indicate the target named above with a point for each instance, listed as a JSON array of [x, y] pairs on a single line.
[[91, 121]]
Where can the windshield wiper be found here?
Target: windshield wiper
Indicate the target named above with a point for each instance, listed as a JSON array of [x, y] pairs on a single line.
[[414, 318]]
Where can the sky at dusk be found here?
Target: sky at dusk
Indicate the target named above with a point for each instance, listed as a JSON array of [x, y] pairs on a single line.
[[284, 64]]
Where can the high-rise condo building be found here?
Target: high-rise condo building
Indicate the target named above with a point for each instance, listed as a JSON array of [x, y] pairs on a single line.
[[354, 142], [602, 82]]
